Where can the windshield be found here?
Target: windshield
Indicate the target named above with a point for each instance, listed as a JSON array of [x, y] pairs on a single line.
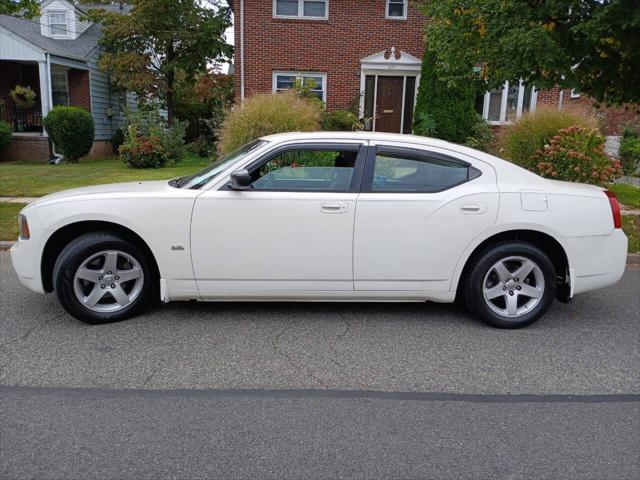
[[199, 179]]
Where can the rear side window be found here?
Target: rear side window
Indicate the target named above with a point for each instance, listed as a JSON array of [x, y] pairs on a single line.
[[409, 172]]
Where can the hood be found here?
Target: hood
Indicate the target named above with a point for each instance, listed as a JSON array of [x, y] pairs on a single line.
[[133, 189]]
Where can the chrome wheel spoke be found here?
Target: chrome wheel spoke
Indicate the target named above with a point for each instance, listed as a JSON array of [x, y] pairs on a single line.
[[131, 274], [110, 262], [494, 292], [94, 296], [502, 271], [529, 291], [120, 296], [88, 274], [512, 304], [525, 269]]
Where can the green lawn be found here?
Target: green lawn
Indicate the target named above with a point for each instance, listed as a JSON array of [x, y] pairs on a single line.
[[9, 221], [37, 179], [628, 195]]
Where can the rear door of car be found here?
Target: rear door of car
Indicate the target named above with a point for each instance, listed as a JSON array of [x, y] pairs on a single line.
[[419, 209]]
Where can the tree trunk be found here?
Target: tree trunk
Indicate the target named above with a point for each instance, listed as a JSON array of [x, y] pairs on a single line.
[[171, 72]]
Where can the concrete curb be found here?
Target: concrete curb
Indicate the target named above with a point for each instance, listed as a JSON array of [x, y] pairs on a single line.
[[632, 258]]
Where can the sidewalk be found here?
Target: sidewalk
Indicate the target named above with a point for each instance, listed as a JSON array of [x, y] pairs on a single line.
[[18, 199]]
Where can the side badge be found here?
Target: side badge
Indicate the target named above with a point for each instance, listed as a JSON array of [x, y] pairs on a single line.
[[177, 247]]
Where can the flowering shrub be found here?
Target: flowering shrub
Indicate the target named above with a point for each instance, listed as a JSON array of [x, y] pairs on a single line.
[[143, 152], [576, 154]]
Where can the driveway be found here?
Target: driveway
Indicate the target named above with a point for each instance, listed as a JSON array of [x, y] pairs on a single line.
[[284, 390]]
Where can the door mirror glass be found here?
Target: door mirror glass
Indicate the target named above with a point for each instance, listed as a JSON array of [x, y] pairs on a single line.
[[240, 179]]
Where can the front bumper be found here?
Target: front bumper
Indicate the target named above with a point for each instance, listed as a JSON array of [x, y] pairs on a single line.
[[26, 254]]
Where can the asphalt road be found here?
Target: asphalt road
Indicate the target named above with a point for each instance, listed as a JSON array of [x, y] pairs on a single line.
[[288, 390]]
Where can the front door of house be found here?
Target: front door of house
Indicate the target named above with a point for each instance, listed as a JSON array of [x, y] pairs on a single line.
[[389, 104]]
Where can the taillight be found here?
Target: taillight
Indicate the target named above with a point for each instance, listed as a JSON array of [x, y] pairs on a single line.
[[24, 227], [615, 209]]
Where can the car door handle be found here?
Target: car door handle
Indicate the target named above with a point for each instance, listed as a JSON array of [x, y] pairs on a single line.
[[473, 208], [337, 207]]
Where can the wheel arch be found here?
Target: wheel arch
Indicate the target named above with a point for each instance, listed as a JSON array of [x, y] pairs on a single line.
[[546, 242], [67, 233]]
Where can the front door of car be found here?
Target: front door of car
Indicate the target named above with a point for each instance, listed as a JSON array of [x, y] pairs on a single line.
[[290, 230], [418, 211]]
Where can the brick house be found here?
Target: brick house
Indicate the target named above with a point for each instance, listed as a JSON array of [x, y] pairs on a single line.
[[56, 56], [367, 54]]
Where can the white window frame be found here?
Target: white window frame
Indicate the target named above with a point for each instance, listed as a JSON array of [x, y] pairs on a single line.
[[301, 14], [54, 31], [393, 17], [574, 93], [503, 104], [299, 76]]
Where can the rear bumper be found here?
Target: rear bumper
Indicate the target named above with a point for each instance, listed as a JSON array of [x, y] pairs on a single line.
[[596, 262]]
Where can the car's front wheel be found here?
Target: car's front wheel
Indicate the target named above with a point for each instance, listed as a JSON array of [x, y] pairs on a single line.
[[510, 285], [102, 278]]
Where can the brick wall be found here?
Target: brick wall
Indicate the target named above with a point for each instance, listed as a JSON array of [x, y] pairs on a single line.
[[79, 89], [354, 30], [33, 148]]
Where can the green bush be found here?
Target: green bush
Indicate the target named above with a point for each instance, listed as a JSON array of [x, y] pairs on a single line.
[[5, 134], [200, 147], [576, 154], [143, 152], [630, 154], [147, 123], [521, 140], [267, 114], [481, 137], [71, 129], [340, 121], [442, 110], [117, 139]]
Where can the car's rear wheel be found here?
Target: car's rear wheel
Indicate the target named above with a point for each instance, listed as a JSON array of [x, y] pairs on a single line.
[[102, 278], [510, 285]]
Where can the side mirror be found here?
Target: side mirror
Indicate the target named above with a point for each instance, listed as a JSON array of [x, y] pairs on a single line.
[[240, 180]]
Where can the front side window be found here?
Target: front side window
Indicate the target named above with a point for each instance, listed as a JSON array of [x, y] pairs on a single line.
[[314, 9], [59, 86], [413, 173], [315, 82], [507, 104], [397, 9], [58, 24], [316, 170]]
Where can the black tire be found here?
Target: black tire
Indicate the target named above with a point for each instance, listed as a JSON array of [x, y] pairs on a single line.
[[480, 266], [82, 248]]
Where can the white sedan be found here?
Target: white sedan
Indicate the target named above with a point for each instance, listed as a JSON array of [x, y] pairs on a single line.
[[327, 217]]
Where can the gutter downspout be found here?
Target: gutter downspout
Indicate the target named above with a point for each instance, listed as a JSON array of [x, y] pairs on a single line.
[[241, 52], [561, 99]]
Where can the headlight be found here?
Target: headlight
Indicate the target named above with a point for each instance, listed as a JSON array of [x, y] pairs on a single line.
[[24, 227]]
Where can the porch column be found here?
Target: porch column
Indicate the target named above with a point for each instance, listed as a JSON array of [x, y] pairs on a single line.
[[45, 80]]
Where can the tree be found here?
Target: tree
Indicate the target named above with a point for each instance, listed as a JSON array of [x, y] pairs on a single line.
[[590, 45], [147, 48], [20, 8], [443, 110]]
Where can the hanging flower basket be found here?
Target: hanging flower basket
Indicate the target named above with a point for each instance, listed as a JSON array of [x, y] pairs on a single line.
[[23, 97]]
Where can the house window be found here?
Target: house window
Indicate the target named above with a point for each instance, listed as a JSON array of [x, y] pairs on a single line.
[[397, 9], [574, 93], [315, 82], [58, 24], [505, 105], [314, 9], [59, 87]]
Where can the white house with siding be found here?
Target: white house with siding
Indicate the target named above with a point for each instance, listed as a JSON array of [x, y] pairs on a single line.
[[56, 56]]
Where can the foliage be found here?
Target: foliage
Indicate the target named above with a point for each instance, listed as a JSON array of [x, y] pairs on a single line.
[[576, 154], [147, 123], [200, 148], [146, 49], [267, 114], [34, 179], [593, 46], [143, 152], [23, 97], [443, 110], [9, 220], [521, 140], [5, 134], [20, 8], [117, 139], [481, 137], [340, 121], [628, 195], [201, 103], [630, 154], [631, 228], [72, 132]]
